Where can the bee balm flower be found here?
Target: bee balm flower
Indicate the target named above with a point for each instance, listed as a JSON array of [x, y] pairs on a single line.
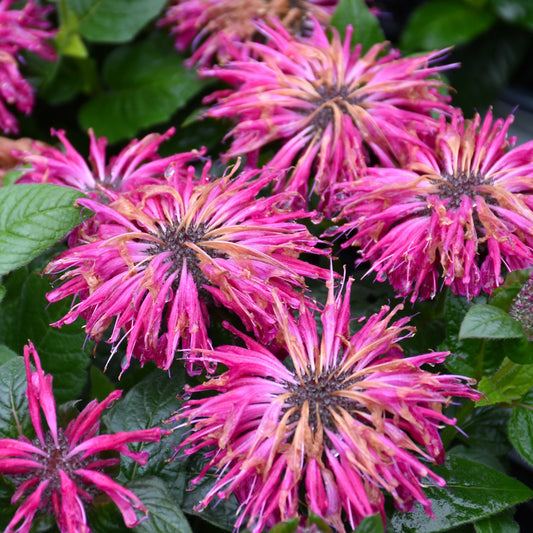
[[330, 106], [351, 417], [60, 470], [159, 257], [463, 209]]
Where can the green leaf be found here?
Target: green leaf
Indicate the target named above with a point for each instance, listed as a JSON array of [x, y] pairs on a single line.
[[515, 11], [101, 386], [2, 292], [149, 404], [473, 491], [138, 75], [285, 527], [508, 384], [501, 523], [6, 354], [519, 350], [486, 428], [24, 315], [114, 21], [370, 524], [471, 357], [366, 28], [164, 516], [441, 23], [12, 175], [222, 515], [485, 321], [33, 218], [69, 41], [487, 65], [14, 415], [520, 429]]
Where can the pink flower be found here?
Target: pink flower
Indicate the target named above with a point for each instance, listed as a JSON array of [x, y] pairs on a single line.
[[137, 164], [20, 29], [160, 257], [349, 418], [330, 107], [60, 470], [215, 27], [463, 209]]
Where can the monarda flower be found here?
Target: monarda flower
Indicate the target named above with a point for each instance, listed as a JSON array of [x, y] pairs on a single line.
[[331, 107], [60, 470], [20, 30], [214, 27], [160, 256], [137, 164], [350, 417], [462, 209]]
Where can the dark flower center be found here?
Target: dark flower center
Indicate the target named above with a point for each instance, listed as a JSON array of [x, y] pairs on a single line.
[[324, 396], [455, 186], [175, 241], [330, 97], [56, 459]]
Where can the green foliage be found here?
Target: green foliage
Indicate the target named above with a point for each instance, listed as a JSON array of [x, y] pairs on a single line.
[[164, 516], [471, 357], [33, 218], [370, 524], [487, 65], [500, 523], [14, 416], [149, 404], [113, 21], [24, 315], [366, 28], [441, 23], [521, 428], [519, 12], [146, 83], [508, 384], [489, 322], [473, 491]]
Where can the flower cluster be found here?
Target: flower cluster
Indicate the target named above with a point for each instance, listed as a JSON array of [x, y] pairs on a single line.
[[20, 30], [350, 416], [292, 417], [61, 469]]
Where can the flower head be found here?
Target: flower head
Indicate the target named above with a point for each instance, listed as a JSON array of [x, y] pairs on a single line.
[[521, 308], [137, 164], [215, 27], [159, 257], [349, 417], [20, 29], [330, 106], [463, 209], [60, 470]]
